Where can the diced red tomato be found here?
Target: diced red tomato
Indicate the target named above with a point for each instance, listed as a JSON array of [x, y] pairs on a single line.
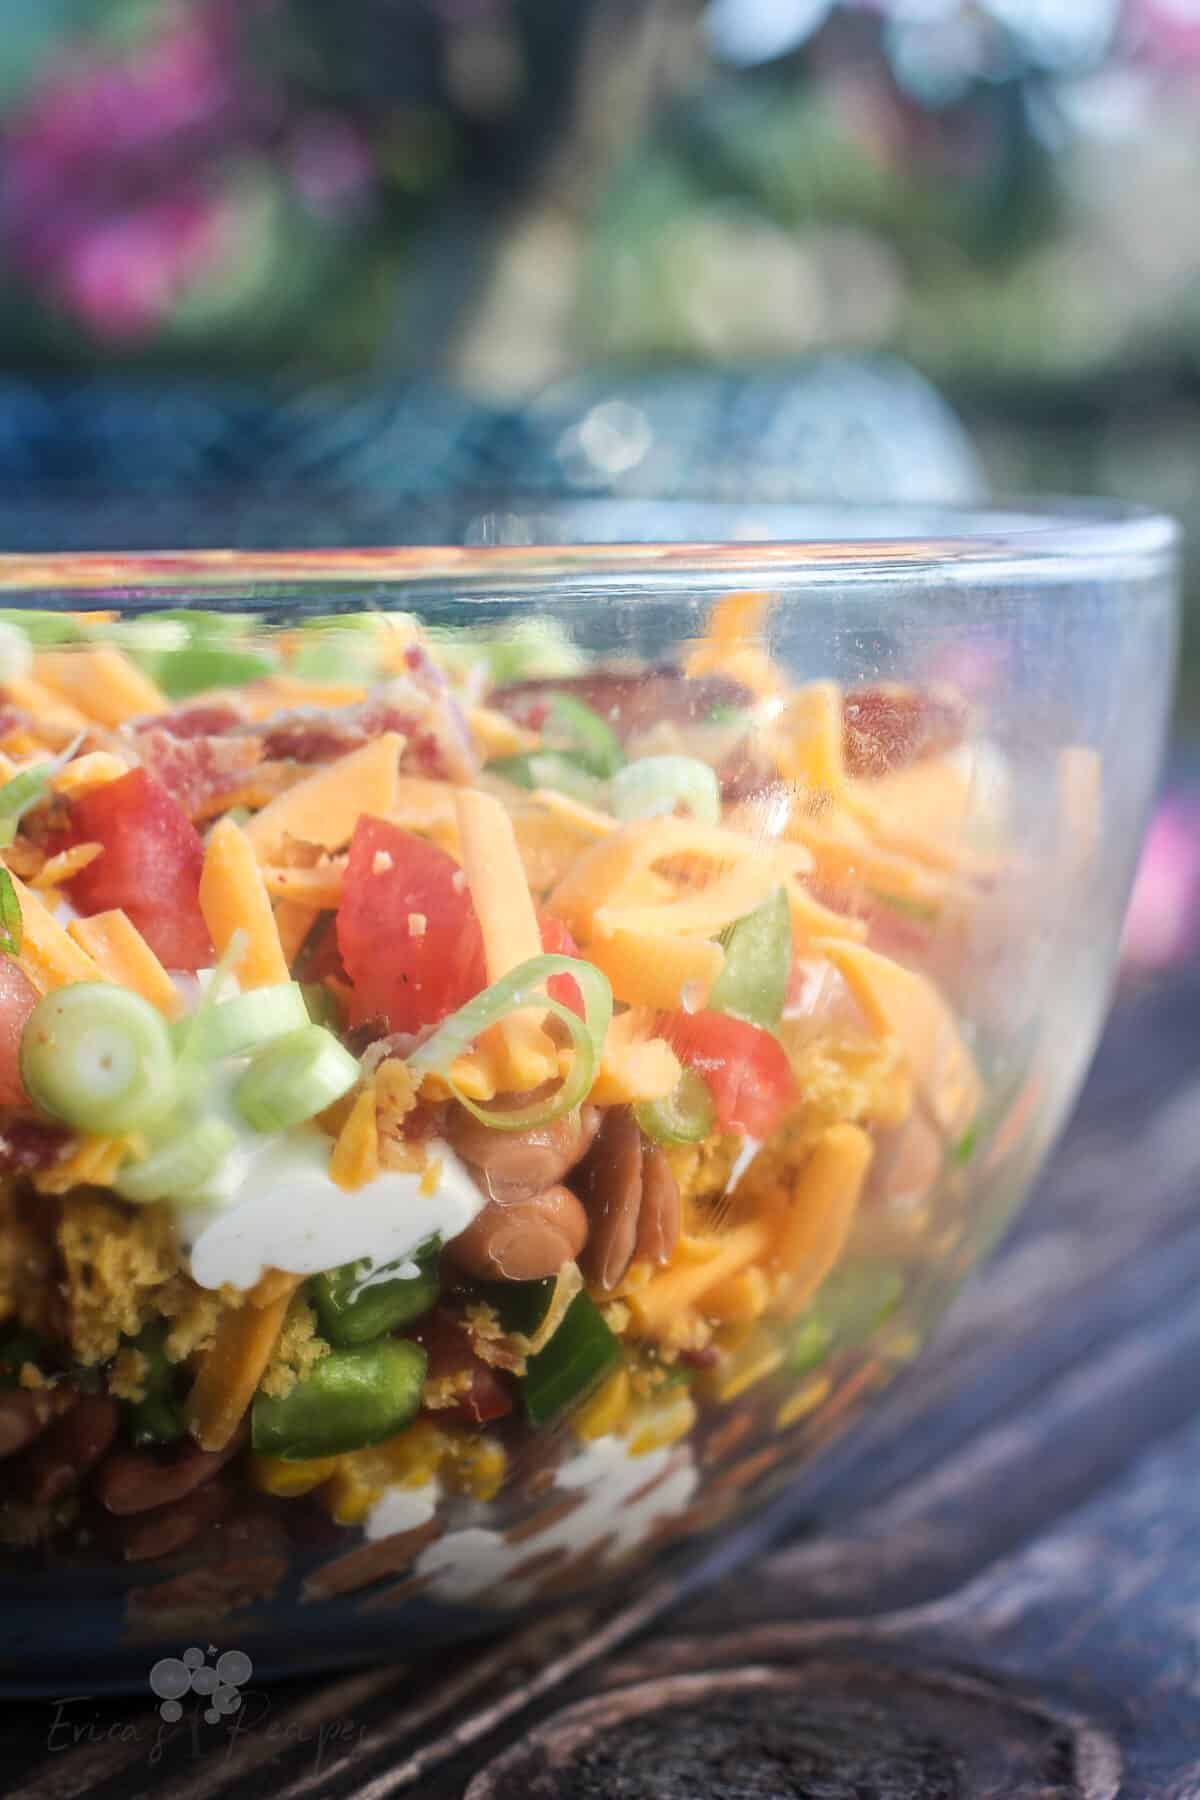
[[744, 1068], [150, 866], [18, 997], [485, 1394], [557, 941], [407, 930]]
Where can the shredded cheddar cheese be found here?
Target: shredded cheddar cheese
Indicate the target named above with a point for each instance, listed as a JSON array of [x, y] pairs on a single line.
[[233, 897], [48, 955], [101, 682], [325, 807], [123, 955]]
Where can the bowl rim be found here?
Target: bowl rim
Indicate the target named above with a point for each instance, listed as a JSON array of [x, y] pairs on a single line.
[[510, 545]]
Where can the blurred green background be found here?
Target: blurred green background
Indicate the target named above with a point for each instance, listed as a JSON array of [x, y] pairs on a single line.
[[998, 194]]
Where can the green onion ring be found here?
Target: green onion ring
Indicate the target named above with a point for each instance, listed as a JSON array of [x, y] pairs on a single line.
[[655, 785], [514, 993]]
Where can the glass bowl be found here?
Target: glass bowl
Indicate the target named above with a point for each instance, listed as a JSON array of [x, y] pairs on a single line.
[[367, 1279]]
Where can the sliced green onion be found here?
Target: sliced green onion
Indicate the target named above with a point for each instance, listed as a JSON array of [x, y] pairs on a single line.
[[16, 653], [758, 961], [962, 1152], [336, 656], [294, 1079], [200, 624], [684, 1116], [98, 1058], [26, 788], [188, 1032], [181, 1167], [591, 738], [11, 923], [248, 1022], [513, 994], [199, 665], [555, 769], [44, 629], [655, 785], [921, 912]]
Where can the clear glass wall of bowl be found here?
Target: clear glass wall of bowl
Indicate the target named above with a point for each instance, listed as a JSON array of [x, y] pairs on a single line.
[[954, 725]]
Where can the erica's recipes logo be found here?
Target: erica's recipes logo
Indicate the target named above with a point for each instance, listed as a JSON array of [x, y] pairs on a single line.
[[198, 1689], [218, 1683]]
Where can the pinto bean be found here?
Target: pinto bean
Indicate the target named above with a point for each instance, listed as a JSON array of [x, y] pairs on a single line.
[[631, 701], [610, 1184], [908, 1161], [149, 1535], [514, 1165], [522, 1240], [659, 1215], [135, 1481], [24, 1415], [65, 1453]]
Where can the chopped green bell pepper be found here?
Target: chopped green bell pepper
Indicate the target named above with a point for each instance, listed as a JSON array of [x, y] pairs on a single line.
[[350, 1399], [557, 769], [17, 1348], [588, 736], [355, 1304], [758, 961], [580, 1352], [520, 1306], [157, 1418]]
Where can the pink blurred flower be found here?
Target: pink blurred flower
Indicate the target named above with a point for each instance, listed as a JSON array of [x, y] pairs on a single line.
[[1162, 926], [112, 199], [1164, 31], [330, 161], [123, 274]]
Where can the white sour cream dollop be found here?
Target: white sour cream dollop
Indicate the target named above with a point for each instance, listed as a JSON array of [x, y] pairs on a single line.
[[278, 1209]]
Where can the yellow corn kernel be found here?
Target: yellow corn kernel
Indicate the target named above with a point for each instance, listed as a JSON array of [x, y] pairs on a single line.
[[350, 1492], [739, 1297], [805, 1400], [476, 1467], [662, 1421], [607, 1408], [416, 1454], [742, 1372], [287, 1480]]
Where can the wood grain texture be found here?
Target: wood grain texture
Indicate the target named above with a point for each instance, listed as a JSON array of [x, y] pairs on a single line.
[[992, 1588]]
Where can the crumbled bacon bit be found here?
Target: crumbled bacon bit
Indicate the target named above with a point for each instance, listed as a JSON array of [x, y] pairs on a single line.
[[28, 1144], [196, 770], [210, 720], [891, 726]]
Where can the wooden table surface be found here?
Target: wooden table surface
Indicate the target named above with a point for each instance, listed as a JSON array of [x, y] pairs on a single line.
[[993, 1589]]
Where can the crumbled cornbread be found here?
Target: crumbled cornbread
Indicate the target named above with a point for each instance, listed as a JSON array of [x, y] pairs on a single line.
[[114, 1257], [702, 1172], [848, 1080], [27, 1260], [446, 1390], [297, 1349], [194, 1313], [851, 1080], [127, 1377]]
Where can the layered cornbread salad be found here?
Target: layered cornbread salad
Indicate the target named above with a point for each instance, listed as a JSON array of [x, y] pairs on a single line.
[[454, 1091]]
